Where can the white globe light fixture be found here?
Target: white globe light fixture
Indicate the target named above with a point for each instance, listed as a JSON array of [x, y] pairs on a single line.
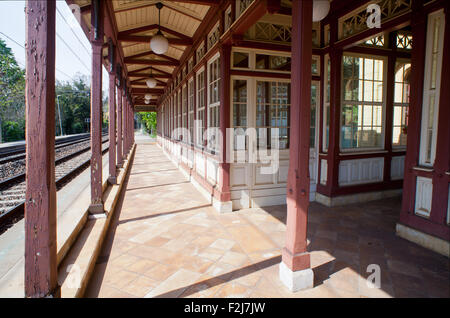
[[321, 8], [159, 44], [147, 102], [151, 82], [148, 96]]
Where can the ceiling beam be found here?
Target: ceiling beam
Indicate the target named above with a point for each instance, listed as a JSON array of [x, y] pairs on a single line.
[[149, 68], [155, 27], [142, 82], [146, 53], [152, 62], [146, 39], [143, 91], [202, 2], [169, 5], [146, 75]]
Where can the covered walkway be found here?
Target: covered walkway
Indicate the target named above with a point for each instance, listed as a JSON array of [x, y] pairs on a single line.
[[166, 240]]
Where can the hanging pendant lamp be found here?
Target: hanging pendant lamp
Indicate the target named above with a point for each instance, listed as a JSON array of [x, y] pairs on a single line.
[[159, 44], [151, 82], [321, 8]]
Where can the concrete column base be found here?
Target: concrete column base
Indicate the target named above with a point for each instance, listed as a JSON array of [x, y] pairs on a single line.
[[96, 209], [223, 207], [433, 243], [296, 281]]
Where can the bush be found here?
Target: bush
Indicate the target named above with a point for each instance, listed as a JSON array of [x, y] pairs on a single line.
[[13, 131], [77, 128]]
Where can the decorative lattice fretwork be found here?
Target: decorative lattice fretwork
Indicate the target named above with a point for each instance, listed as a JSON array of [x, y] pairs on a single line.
[[190, 64], [376, 41], [404, 41], [200, 52], [357, 22], [241, 5], [213, 37], [270, 32], [228, 19]]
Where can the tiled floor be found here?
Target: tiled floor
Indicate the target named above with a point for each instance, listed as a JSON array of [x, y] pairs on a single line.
[[167, 241]]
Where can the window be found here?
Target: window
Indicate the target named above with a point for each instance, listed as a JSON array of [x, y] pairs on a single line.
[[327, 35], [239, 112], [185, 110], [241, 5], [190, 65], [401, 103], [228, 19], [273, 62], [241, 60], [173, 118], [326, 103], [315, 66], [404, 40], [200, 107], [213, 36], [376, 41], [191, 100], [200, 52], [314, 104], [273, 101], [179, 124], [363, 103], [432, 85], [213, 93]]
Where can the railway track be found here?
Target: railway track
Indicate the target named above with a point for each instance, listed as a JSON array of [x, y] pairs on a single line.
[[67, 166], [15, 155]]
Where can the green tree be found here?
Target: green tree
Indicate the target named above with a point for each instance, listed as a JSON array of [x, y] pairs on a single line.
[[74, 102], [149, 121], [12, 91]]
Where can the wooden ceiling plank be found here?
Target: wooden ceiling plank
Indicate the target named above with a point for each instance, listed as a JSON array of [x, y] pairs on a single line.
[[182, 10]]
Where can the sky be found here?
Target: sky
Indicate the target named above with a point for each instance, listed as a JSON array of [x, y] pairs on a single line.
[[73, 50]]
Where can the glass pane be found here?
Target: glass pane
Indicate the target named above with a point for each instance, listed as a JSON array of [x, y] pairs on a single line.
[[240, 60]]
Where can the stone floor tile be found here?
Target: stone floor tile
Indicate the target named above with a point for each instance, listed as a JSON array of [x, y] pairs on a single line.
[[175, 285]]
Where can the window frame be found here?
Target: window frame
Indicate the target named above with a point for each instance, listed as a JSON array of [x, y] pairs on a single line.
[[383, 104], [326, 104], [191, 107], [200, 89], [210, 83], [427, 93], [402, 105]]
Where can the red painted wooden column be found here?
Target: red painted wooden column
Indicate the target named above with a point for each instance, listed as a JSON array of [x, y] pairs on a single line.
[[127, 126], [96, 108], [224, 166], [119, 123], [295, 270], [124, 126], [419, 30], [40, 204], [112, 116]]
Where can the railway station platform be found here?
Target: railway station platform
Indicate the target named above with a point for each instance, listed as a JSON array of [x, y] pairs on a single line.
[[166, 240]]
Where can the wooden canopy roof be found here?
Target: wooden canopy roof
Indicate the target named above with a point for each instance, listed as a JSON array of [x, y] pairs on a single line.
[[131, 25]]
